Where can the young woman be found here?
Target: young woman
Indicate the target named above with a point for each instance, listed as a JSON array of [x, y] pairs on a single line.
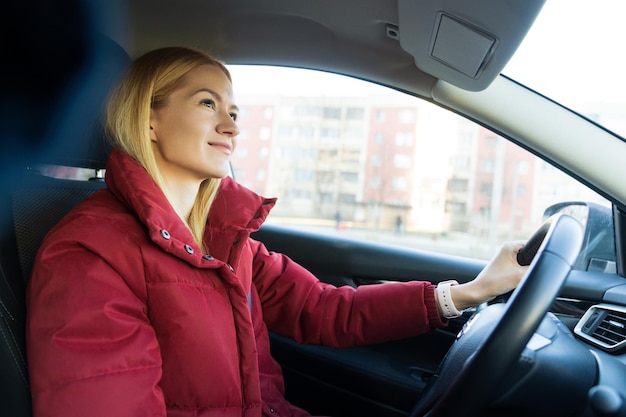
[[151, 299]]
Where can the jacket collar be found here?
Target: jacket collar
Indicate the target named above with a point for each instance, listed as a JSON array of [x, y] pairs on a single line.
[[235, 209]]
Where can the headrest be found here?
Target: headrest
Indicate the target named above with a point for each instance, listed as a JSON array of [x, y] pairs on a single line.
[[85, 145], [91, 152]]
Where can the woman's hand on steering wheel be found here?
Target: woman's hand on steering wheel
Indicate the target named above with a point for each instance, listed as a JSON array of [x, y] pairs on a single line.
[[491, 343], [500, 276]]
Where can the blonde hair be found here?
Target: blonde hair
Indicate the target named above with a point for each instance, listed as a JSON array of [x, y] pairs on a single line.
[[147, 84]]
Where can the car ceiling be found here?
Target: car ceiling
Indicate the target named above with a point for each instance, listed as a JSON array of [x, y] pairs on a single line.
[[364, 38]]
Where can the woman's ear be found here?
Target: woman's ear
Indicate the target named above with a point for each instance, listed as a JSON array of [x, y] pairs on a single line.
[[153, 122]]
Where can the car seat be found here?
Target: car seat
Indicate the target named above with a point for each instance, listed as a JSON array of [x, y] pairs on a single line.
[[37, 203], [30, 207]]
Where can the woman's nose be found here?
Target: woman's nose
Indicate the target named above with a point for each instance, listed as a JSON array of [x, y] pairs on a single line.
[[228, 126]]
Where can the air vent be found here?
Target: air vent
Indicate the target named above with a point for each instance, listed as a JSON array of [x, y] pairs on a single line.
[[604, 326]]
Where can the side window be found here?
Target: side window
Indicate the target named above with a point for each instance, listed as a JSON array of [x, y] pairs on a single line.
[[359, 160]]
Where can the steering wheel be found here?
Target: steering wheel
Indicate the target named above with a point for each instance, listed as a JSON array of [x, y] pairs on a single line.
[[492, 340]]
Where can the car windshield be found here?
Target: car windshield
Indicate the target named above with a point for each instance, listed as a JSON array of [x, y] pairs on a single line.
[[574, 54]]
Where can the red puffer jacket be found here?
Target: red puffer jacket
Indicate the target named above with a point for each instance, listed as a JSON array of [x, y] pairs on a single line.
[[127, 318]]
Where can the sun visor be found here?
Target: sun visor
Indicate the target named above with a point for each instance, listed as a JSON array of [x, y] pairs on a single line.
[[464, 43]]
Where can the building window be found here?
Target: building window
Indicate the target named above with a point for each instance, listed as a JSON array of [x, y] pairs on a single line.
[[400, 184], [458, 184], [265, 133], [330, 132], [304, 175], [331, 112], [308, 111], [404, 139], [355, 113], [406, 116], [354, 133], [402, 161], [488, 165], [491, 141], [240, 153], [307, 132], [347, 198], [522, 167], [349, 176], [244, 133], [462, 163]]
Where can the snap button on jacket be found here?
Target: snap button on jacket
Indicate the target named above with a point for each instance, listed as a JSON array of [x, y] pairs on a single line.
[[128, 318]]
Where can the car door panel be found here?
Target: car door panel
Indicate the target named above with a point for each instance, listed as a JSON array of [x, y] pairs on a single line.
[[379, 380], [360, 262]]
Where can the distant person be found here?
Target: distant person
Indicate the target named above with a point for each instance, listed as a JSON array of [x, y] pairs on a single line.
[[399, 225], [151, 299]]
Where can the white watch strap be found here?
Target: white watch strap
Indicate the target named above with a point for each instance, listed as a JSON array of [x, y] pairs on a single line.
[[444, 298]]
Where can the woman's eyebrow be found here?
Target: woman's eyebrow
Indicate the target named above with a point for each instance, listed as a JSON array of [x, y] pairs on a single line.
[[218, 96]]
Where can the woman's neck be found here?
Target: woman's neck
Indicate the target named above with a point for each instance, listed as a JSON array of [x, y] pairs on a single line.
[[182, 197]]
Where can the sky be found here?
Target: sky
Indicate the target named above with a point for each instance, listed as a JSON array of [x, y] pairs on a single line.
[[570, 40], [285, 81]]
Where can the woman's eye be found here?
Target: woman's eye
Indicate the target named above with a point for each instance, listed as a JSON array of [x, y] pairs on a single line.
[[208, 103], [233, 116]]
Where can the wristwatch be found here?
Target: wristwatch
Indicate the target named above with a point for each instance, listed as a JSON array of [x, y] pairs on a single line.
[[444, 299]]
